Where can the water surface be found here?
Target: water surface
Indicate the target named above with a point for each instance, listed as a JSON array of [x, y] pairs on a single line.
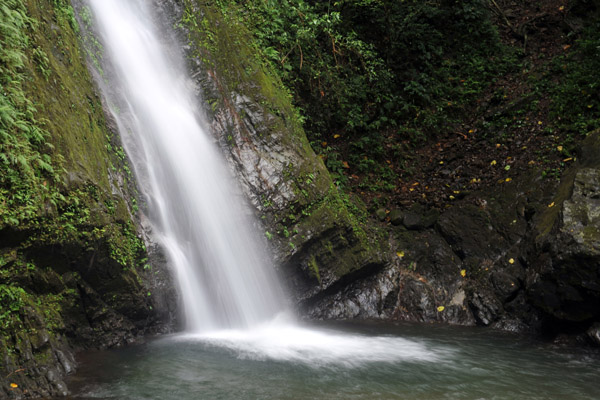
[[341, 361]]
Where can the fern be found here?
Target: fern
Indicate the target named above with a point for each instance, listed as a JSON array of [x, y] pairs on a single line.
[[23, 166]]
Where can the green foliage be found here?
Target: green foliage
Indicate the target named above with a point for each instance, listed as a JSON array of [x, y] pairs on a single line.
[[376, 72], [11, 302], [576, 98], [25, 166]]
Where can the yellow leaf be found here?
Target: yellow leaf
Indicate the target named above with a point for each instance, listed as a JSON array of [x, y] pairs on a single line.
[[441, 308], [540, 122], [400, 254], [551, 205], [568, 159], [451, 197], [441, 162], [559, 148], [493, 162], [471, 131], [337, 136], [508, 179], [511, 261], [14, 385], [463, 272]]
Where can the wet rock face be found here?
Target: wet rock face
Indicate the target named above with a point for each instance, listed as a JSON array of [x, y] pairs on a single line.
[[423, 283]]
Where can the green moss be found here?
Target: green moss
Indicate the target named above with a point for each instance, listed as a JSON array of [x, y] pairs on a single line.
[[314, 268]]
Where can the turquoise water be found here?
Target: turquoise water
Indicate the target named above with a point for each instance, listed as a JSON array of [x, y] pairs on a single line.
[[342, 361]]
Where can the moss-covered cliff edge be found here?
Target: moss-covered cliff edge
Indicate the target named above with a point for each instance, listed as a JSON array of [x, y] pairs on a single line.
[[73, 267]]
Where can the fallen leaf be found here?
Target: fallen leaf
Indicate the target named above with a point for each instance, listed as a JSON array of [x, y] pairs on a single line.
[[559, 148], [441, 308], [463, 272], [345, 164], [511, 261], [551, 205], [493, 162], [400, 254], [14, 385], [508, 179], [337, 135], [568, 159]]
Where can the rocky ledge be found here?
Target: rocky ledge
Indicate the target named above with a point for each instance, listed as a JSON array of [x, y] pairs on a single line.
[[523, 257]]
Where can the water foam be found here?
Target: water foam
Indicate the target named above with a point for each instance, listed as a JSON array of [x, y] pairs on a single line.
[[316, 347]]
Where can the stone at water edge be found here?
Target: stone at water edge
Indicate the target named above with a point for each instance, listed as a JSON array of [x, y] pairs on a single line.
[[594, 333]]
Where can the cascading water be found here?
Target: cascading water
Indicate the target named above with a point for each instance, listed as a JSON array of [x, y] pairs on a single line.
[[224, 279], [230, 293]]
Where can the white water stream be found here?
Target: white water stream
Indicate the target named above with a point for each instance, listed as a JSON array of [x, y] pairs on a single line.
[[229, 289], [224, 278]]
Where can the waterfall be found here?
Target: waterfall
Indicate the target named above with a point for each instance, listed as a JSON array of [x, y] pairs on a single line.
[[196, 211]]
